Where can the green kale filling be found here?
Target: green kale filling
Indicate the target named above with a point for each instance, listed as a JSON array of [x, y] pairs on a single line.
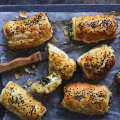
[[109, 103], [70, 30], [44, 81]]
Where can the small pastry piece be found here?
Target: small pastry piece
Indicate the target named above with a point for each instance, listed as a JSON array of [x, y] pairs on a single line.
[[46, 84], [86, 98], [97, 62], [28, 33], [93, 28], [20, 102], [118, 77], [60, 63]]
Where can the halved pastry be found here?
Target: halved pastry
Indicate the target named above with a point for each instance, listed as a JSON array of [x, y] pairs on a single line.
[[86, 98], [60, 63], [97, 62], [46, 84], [28, 33], [20, 102], [93, 28]]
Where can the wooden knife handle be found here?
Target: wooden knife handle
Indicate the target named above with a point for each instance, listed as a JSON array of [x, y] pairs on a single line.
[[19, 62]]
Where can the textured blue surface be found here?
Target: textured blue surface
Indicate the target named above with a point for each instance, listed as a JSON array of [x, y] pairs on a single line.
[[58, 8]]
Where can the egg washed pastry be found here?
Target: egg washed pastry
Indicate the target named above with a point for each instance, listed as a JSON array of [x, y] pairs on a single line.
[[97, 62], [46, 84], [20, 102], [28, 33], [86, 98], [93, 28], [60, 63]]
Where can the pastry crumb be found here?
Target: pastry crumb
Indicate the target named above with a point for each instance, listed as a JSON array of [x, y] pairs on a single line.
[[63, 43], [18, 73], [17, 17], [72, 45], [27, 70], [54, 41], [65, 32], [29, 82], [66, 37], [23, 14], [33, 66]]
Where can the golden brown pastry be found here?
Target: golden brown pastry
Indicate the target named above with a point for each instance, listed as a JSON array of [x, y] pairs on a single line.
[[118, 77], [28, 33], [86, 98], [46, 84], [93, 28], [97, 62], [20, 102], [60, 63]]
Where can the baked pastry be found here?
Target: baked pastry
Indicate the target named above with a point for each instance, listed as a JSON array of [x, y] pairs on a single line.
[[118, 77], [60, 63], [20, 102], [97, 62], [93, 28], [46, 84], [28, 33], [86, 98]]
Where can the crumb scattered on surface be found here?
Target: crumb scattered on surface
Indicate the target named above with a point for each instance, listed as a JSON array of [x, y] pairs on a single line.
[[27, 70], [18, 72], [66, 37], [63, 43], [54, 41], [23, 14], [65, 32], [54, 23], [113, 85], [29, 82], [33, 66], [72, 45], [17, 17]]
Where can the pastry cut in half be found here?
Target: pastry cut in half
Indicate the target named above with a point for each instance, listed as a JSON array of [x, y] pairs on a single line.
[[46, 84], [60, 63]]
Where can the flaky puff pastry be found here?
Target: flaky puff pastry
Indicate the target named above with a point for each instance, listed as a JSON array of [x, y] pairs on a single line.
[[93, 28], [86, 98], [97, 62], [46, 84], [60, 63], [28, 33], [20, 102]]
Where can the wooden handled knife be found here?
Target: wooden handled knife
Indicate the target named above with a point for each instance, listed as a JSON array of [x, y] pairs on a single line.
[[36, 57]]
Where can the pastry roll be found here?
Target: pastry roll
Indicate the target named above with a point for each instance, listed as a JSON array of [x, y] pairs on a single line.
[[97, 62], [93, 28], [20, 102], [46, 84], [60, 63], [86, 98], [28, 33]]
